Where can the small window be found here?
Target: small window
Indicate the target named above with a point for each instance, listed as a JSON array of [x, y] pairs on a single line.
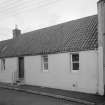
[[45, 62], [2, 64], [75, 61]]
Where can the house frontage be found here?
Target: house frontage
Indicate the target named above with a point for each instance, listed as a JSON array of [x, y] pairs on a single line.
[[68, 56]]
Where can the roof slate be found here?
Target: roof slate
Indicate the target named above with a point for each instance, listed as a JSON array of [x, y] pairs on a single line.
[[76, 35]]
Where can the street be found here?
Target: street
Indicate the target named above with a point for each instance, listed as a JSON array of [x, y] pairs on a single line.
[[13, 97]]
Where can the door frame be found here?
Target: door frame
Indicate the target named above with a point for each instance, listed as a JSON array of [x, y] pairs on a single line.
[[20, 68]]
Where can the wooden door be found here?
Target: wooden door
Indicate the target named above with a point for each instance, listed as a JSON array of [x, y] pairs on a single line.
[[21, 68]]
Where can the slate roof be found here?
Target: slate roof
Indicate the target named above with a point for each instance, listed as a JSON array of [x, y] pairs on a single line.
[[76, 35]]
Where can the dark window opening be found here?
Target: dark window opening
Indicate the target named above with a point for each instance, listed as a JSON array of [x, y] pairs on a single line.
[[75, 61]]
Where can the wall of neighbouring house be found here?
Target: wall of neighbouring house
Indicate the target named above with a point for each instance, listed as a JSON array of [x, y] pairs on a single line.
[[60, 75], [101, 42], [7, 75], [104, 78]]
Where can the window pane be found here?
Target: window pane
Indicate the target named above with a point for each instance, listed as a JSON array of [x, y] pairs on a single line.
[[45, 59], [75, 66], [46, 66], [2, 64], [75, 57]]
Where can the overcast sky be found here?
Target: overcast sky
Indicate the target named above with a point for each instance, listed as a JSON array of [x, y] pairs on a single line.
[[34, 14]]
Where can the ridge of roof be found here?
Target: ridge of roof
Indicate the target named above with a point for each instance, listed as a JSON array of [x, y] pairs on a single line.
[[95, 15]]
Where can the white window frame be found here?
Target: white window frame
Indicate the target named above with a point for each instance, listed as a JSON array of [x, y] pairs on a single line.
[[73, 70], [44, 63], [3, 64]]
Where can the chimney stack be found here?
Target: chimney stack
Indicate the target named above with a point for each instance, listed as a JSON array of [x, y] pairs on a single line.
[[101, 46], [16, 32]]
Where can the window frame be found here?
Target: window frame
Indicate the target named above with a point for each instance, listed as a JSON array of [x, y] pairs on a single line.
[[3, 64], [44, 63], [73, 62]]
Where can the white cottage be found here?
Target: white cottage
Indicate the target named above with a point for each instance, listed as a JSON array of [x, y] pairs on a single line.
[[68, 56]]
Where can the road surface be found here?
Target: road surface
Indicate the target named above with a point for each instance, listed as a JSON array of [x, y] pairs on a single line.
[[13, 97]]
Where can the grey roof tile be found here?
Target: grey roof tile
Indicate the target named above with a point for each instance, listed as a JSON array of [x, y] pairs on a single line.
[[76, 35]]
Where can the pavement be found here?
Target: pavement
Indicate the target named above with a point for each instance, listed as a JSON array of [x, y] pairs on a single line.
[[84, 98]]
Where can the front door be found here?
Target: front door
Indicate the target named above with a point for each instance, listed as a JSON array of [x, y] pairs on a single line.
[[21, 68]]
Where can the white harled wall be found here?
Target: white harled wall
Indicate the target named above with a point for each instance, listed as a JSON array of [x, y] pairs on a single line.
[[7, 75], [60, 75]]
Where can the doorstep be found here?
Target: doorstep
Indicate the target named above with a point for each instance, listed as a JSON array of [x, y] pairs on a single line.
[[88, 99]]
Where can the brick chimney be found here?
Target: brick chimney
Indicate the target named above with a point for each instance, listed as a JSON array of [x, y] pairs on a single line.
[[16, 32], [101, 46]]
